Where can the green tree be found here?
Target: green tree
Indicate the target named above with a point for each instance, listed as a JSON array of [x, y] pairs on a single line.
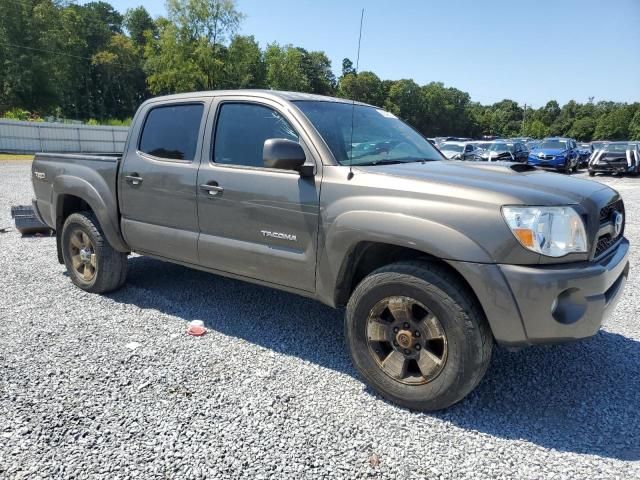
[[244, 66], [347, 67], [317, 67], [506, 118], [634, 126], [189, 51], [614, 125], [364, 87], [535, 129], [139, 24], [122, 79], [404, 100], [285, 69], [583, 129]]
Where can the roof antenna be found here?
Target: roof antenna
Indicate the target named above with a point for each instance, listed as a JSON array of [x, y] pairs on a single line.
[[353, 101]]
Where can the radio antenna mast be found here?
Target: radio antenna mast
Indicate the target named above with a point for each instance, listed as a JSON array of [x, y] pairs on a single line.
[[353, 101]]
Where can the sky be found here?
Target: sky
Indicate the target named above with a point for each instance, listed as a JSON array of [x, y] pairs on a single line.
[[530, 51]]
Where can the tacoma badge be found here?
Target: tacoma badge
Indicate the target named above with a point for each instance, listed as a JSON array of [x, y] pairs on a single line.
[[283, 236]]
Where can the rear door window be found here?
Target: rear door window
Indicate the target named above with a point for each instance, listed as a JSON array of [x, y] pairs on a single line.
[[172, 131]]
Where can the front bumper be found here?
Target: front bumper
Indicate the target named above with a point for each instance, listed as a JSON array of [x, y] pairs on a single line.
[[548, 165], [528, 305], [612, 168]]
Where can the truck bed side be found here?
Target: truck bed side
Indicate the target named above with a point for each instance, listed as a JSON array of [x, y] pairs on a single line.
[[67, 183]]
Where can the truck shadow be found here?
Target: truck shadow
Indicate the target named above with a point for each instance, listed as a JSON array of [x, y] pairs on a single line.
[[580, 398]]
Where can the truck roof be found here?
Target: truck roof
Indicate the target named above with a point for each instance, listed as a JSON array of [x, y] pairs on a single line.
[[274, 94]]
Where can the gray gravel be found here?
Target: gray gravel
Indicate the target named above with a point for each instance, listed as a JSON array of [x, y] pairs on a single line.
[[270, 392]]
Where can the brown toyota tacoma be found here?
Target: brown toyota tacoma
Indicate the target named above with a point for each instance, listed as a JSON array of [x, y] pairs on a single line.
[[435, 260]]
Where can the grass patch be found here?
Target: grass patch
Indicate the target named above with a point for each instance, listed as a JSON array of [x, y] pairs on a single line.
[[15, 156]]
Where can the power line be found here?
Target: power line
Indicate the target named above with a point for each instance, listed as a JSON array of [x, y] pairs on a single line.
[[24, 47]]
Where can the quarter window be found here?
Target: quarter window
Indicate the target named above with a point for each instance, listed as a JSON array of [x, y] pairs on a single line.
[[172, 131], [241, 130]]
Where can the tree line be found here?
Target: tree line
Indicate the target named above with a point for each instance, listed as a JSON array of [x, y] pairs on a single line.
[[90, 61]]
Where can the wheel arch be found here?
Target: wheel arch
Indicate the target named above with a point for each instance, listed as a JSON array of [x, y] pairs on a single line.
[[366, 257], [73, 194]]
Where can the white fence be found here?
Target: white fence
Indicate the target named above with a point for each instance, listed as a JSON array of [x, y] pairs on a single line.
[[31, 137]]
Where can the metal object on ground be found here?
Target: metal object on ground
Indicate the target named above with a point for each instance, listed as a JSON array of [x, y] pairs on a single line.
[[27, 222]]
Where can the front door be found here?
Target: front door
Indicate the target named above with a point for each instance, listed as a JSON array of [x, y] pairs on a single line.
[[256, 222], [157, 184]]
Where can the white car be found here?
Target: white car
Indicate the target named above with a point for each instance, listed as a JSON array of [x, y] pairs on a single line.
[[460, 151]]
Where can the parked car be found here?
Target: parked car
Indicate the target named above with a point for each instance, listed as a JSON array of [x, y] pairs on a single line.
[[598, 145], [556, 153], [616, 157], [460, 151], [505, 151], [585, 150], [531, 144], [434, 260], [481, 144]]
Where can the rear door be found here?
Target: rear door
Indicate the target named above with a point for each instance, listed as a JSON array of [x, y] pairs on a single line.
[[157, 184], [257, 222]]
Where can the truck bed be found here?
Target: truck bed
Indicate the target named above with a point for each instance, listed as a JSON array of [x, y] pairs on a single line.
[[75, 172]]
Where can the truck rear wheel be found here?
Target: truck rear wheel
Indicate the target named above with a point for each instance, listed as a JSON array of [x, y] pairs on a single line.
[[417, 336], [92, 263]]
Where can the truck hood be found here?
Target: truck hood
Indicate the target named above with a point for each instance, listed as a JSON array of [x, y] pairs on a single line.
[[501, 183]]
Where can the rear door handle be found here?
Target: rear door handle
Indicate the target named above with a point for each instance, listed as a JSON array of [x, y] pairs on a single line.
[[133, 179], [212, 188]]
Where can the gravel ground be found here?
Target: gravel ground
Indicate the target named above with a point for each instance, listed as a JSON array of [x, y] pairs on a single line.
[[270, 392]]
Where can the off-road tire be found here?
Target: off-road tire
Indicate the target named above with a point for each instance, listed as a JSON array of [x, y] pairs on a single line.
[[468, 334], [111, 265]]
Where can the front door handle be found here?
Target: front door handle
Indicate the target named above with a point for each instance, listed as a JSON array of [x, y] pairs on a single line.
[[133, 179], [212, 188]]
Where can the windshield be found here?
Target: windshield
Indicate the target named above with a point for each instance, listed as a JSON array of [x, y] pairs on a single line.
[[500, 147], [556, 144], [616, 147], [452, 147], [597, 145], [378, 136]]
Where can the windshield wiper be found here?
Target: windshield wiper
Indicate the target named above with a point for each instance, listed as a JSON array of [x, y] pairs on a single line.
[[393, 161]]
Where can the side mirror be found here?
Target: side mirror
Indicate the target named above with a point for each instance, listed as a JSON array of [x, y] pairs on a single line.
[[286, 155]]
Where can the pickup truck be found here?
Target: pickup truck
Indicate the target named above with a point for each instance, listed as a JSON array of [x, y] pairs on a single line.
[[435, 260]]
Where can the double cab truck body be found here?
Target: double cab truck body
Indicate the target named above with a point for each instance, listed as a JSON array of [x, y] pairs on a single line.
[[435, 260]]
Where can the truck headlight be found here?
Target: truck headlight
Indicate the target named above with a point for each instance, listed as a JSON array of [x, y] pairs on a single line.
[[550, 231]]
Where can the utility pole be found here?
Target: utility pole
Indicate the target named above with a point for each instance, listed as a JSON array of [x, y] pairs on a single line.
[[524, 118]]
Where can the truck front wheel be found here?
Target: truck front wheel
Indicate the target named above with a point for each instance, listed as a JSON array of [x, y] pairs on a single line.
[[92, 263], [417, 335]]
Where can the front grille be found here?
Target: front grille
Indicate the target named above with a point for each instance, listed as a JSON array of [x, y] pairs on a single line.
[[606, 241], [605, 212]]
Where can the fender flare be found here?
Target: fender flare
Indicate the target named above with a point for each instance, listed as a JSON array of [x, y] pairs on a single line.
[[354, 227], [98, 196]]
